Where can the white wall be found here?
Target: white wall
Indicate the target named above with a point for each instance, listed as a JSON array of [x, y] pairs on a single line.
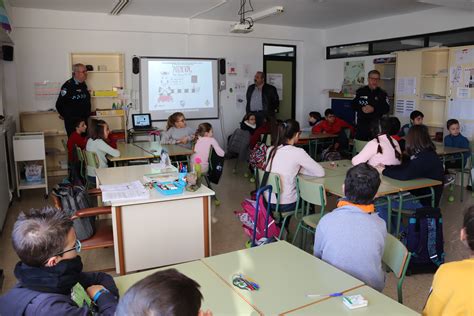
[[421, 22], [44, 39]]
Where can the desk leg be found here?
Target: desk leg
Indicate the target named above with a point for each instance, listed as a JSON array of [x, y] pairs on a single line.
[[119, 247], [399, 215], [205, 215]]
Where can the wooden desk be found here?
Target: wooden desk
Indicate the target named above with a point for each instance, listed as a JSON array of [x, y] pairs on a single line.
[[161, 230], [333, 184], [129, 152], [453, 153], [314, 139], [379, 304], [218, 296], [285, 274], [173, 150]]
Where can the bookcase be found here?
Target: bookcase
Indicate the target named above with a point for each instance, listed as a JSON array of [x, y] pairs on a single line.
[[106, 84], [425, 88], [386, 67], [55, 138]]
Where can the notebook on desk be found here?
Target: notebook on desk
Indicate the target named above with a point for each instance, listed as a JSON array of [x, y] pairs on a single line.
[[142, 122]]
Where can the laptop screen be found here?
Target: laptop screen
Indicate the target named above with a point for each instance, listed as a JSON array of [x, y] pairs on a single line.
[[141, 120]]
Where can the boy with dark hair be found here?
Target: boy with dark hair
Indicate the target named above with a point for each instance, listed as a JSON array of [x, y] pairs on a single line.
[[166, 292], [334, 125], [78, 138], [50, 270], [455, 139], [352, 237], [416, 118]]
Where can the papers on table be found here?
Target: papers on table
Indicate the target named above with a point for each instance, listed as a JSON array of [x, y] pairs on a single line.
[[122, 192]]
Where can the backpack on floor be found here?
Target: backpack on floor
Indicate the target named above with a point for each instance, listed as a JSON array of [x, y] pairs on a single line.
[[258, 154], [257, 221], [424, 239], [329, 154], [75, 198], [216, 167]]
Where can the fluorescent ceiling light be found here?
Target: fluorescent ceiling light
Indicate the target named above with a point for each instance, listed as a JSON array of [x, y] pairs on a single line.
[[266, 13], [119, 6]]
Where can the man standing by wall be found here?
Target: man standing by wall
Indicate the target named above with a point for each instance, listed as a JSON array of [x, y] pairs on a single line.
[[262, 98], [370, 103], [74, 100]]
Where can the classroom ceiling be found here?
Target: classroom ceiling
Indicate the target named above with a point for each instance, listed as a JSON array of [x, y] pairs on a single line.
[[299, 13]]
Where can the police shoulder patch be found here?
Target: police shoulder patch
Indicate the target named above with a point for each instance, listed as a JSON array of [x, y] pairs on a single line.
[[63, 92]]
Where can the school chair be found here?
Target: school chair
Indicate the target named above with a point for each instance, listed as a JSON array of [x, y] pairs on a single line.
[[310, 193], [274, 181], [461, 171], [81, 160], [103, 236], [358, 145], [216, 167], [396, 257], [91, 161]]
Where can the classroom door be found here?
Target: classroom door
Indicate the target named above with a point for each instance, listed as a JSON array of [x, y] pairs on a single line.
[[279, 66]]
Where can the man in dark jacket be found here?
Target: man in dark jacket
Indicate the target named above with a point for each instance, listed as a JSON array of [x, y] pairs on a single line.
[[262, 98], [74, 100], [370, 103], [50, 277]]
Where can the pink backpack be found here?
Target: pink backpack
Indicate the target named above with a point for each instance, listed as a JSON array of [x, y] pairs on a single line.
[[251, 214]]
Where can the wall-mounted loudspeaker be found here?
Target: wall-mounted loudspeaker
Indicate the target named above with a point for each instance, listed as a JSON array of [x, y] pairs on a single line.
[[135, 65], [7, 52], [222, 80]]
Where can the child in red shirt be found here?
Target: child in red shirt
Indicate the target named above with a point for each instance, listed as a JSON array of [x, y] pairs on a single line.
[[334, 125], [77, 138]]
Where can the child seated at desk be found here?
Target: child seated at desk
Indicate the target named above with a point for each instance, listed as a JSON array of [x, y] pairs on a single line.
[[416, 118], [452, 291], [352, 237], [288, 161], [205, 141], [50, 267], [177, 132], [334, 125], [423, 163], [97, 143], [383, 149], [249, 123], [314, 118], [456, 139], [166, 292], [77, 139]]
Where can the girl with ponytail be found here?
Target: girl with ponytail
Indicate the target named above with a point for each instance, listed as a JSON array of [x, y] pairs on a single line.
[[383, 149], [288, 161]]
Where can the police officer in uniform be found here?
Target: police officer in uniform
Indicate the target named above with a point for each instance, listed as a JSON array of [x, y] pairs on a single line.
[[74, 100], [370, 104]]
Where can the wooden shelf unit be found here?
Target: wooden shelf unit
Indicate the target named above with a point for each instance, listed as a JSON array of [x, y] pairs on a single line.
[[108, 79], [112, 77], [55, 137], [387, 80]]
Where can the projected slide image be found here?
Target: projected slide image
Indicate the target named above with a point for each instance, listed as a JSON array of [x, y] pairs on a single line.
[[180, 85]]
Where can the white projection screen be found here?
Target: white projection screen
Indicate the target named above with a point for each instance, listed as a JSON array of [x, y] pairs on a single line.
[[188, 85]]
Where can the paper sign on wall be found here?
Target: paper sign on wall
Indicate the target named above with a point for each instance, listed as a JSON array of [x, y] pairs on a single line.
[[455, 76], [463, 93], [276, 80], [406, 86], [403, 108], [461, 108], [464, 56]]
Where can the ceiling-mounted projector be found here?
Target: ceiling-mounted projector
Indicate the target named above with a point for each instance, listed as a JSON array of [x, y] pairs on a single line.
[[241, 28]]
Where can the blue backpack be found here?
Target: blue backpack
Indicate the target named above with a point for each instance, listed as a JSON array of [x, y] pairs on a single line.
[[424, 239]]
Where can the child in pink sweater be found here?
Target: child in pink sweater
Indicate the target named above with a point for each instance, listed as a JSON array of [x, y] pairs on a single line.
[[383, 150], [205, 141]]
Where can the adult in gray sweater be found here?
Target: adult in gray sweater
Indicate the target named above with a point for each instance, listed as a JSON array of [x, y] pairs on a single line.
[[352, 237]]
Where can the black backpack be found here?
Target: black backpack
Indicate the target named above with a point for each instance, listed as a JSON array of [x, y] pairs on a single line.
[[73, 198], [216, 166], [424, 239]]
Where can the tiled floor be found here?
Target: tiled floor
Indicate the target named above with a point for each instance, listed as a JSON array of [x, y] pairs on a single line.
[[227, 235]]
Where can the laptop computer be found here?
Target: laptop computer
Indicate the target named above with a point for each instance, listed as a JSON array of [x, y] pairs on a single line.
[[142, 121]]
